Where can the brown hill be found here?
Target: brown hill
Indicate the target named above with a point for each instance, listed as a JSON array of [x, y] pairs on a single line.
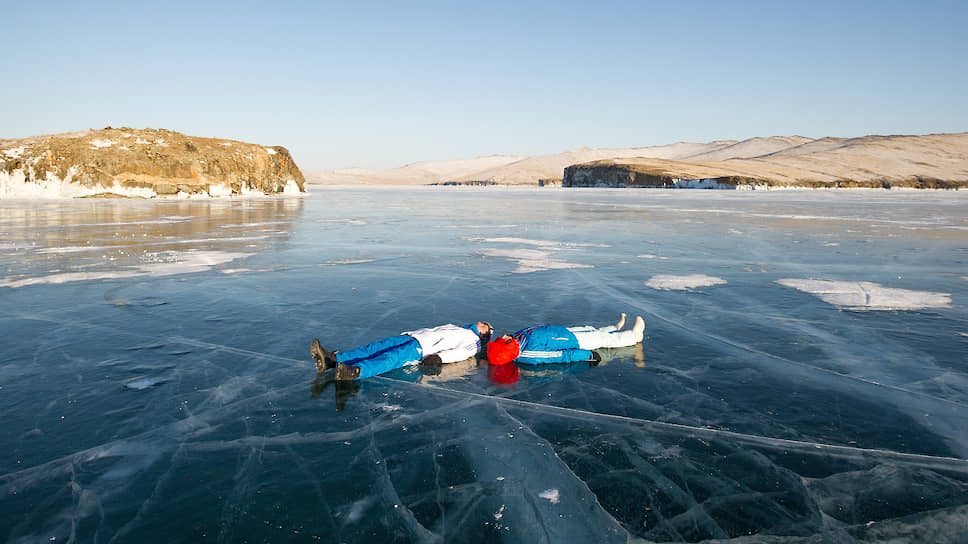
[[931, 161], [146, 163]]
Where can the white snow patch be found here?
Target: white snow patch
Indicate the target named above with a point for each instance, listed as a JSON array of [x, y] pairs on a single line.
[[99, 143], [14, 152], [550, 494], [680, 283], [15, 185], [292, 188], [161, 142], [540, 243], [862, 295], [138, 140], [532, 260], [226, 144], [269, 150]]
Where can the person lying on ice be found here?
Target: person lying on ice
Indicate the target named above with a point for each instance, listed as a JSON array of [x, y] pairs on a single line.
[[433, 346], [557, 344]]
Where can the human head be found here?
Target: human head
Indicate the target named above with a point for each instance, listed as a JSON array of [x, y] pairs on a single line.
[[503, 350], [484, 330]]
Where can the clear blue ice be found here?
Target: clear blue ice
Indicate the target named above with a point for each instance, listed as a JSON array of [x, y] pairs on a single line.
[[803, 378]]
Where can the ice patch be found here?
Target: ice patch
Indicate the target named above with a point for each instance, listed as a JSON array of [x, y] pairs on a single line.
[[98, 143], [500, 513], [139, 384], [347, 221], [680, 283], [853, 295], [347, 261], [156, 265], [532, 260], [539, 243], [651, 256], [550, 495]]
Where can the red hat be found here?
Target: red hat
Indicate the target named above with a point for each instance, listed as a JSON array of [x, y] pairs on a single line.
[[502, 351], [503, 374]]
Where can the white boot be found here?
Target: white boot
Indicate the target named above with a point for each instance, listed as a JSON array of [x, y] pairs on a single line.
[[621, 322], [639, 328]]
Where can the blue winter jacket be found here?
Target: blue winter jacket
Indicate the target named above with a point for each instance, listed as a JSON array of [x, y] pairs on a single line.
[[549, 344]]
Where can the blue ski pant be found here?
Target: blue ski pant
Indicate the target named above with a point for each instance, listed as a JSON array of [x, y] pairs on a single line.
[[383, 355]]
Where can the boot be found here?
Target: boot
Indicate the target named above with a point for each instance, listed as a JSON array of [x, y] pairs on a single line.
[[324, 359], [347, 372], [639, 327], [621, 322]]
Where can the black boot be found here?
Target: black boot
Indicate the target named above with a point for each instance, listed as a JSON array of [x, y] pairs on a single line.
[[347, 372], [324, 359]]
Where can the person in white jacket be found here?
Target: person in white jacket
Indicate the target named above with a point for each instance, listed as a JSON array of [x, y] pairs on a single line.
[[436, 345]]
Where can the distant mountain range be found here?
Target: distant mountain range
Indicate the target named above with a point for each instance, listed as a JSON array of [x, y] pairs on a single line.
[[929, 161]]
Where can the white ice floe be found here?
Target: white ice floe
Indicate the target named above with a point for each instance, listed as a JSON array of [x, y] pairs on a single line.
[[666, 282], [169, 263], [862, 295], [551, 495], [538, 243], [532, 260], [651, 256]]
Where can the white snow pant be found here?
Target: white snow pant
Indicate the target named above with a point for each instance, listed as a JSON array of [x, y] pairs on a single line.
[[606, 337]]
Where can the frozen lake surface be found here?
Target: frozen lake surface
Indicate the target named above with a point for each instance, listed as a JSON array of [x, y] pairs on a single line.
[[803, 378]]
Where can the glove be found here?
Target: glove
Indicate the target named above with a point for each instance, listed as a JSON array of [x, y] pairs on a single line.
[[596, 358]]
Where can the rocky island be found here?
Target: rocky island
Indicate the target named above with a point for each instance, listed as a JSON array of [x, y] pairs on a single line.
[[145, 163]]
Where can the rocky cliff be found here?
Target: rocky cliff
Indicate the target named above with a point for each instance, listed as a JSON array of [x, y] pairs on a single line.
[[143, 163], [934, 161]]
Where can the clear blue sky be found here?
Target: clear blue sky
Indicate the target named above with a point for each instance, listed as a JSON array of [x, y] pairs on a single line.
[[382, 84]]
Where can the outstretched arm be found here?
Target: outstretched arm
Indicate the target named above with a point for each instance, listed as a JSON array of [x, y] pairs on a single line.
[[552, 357]]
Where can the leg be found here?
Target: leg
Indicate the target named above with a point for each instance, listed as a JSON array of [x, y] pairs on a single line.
[[389, 359], [608, 337], [369, 350]]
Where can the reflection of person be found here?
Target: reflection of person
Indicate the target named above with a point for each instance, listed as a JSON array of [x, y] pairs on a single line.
[[448, 372], [344, 389], [557, 344], [443, 344]]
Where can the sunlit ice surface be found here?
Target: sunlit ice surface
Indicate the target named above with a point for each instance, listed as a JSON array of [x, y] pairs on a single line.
[[803, 376]]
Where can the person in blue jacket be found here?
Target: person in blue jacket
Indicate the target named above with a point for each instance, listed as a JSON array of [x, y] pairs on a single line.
[[558, 344], [433, 346]]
